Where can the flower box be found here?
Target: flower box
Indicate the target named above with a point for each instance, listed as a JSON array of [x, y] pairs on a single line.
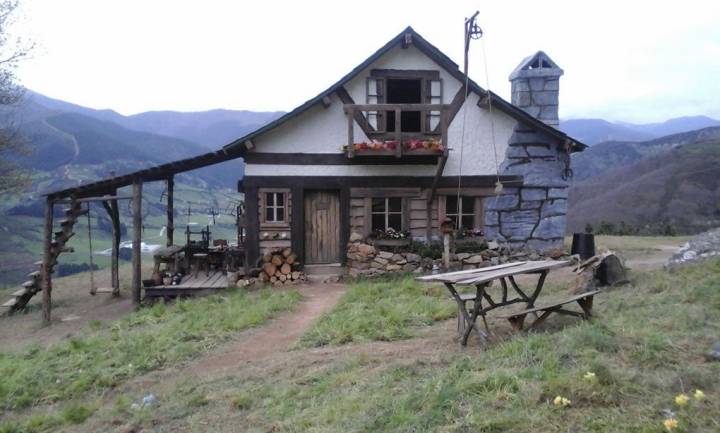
[[391, 242]]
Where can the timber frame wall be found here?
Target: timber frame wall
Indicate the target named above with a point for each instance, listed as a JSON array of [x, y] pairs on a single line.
[[352, 191]]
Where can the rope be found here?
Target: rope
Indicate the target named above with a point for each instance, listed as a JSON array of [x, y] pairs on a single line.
[[498, 185], [92, 265]]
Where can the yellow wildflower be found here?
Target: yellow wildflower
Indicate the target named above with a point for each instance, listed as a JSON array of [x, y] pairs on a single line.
[[670, 424], [699, 395], [561, 401], [682, 400], [589, 376]]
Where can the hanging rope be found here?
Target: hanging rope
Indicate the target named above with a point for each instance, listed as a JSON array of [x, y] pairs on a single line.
[[93, 289], [498, 184]]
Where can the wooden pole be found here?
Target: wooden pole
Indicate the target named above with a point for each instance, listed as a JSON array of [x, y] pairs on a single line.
[[446, 250], [47, 258], [137, 229], [170, 227], [111, 207]]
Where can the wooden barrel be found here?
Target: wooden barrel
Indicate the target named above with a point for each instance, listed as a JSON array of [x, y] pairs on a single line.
[[583, 244]]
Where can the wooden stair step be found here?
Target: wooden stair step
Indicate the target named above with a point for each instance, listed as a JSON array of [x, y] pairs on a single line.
[[38, 263], [104, 290], [28, 284], [64, 237], [21, 292], [11, 303], [34, 274]]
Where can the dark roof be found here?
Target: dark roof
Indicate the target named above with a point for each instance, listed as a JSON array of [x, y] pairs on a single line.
[[439, 57], [158, 172]]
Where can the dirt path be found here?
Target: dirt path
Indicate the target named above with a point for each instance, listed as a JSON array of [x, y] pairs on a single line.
[[272, 338]]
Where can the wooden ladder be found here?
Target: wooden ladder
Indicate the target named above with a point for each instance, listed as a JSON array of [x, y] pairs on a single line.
[[34, 284]]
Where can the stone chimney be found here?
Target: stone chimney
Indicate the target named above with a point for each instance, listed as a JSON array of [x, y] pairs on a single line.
[[536, 87]]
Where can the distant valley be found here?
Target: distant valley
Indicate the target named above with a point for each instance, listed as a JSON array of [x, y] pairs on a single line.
[[593, 131]]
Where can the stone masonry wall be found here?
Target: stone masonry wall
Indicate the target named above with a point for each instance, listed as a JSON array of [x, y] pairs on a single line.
[[531, 216]]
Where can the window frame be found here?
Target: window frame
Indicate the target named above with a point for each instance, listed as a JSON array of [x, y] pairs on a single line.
[[460, 212], [263, 207], [386, 213]]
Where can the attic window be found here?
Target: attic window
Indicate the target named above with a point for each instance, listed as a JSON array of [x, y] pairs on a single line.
[[539, 64]]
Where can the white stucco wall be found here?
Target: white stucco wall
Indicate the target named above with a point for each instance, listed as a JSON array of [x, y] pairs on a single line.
[[324, 130]]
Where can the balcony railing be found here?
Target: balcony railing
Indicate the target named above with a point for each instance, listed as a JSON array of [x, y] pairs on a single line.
[[377, 132]]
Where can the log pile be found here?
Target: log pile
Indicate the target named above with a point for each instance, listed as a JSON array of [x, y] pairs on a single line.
[[280, 266]]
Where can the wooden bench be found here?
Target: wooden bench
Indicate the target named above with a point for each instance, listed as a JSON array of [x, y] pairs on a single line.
[[585, 300]]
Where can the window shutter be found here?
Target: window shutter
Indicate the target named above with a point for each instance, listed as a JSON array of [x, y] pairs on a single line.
[[433, 95], [374, 95]]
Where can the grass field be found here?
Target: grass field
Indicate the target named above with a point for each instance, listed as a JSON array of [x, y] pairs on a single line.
[[108, 354], [384, 359]]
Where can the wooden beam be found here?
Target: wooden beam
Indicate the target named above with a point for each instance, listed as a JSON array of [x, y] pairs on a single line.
[[326, 101], [98, 198], [401, 107], [249, 145], [431, 197], [350, 113], [137, 239], [170, 225], [111, 207], [297, 221], [47, 259], [357, 114], [398, 132], [252, 226]]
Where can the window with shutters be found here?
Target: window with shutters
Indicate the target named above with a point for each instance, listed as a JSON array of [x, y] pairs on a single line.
[[387, 213], [390, 86]]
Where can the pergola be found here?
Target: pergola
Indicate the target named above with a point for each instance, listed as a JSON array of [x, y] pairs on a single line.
[[105, 191]]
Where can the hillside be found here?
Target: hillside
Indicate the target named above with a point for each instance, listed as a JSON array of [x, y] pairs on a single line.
[[602, 157], [210, 129], [70, 144], [679, 187], [593, 131]]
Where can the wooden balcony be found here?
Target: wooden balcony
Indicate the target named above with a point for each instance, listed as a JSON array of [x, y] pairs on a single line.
[[398, 137]]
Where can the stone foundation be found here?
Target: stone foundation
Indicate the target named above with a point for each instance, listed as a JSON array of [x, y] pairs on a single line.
[[368, 261]]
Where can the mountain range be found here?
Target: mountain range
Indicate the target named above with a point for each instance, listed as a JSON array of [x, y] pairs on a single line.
[[593, 131], [666, 185]]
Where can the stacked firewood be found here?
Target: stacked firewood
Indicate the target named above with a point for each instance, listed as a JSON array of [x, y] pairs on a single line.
[[280, 266]]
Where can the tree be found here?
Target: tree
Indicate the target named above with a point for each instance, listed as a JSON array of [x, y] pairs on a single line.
[[12, 50]]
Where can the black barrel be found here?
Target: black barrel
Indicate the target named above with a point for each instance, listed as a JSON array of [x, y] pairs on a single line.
[[583, 244]]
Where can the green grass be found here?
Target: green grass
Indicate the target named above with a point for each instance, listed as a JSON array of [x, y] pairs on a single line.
[[145, 340], [645, 346], [386, 311]]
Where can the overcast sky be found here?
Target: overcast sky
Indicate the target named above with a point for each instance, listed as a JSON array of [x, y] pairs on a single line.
[[627, 60]]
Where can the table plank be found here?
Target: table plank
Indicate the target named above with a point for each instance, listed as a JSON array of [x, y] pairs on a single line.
[[522, 269], [442, 277], [482, 275]]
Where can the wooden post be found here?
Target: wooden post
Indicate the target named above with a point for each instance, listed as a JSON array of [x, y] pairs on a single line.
[[446, 250], [47, 258], [351, 131], [111, 207], [137, 229], [398, 132], [170, 227]]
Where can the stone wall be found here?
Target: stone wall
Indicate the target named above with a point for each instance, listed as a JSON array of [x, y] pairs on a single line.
[[532, 216]]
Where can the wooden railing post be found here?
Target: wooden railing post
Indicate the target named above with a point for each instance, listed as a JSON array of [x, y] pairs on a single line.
[[137, 239], [444, 131], [170, 226], [398, 132], [350, 112]]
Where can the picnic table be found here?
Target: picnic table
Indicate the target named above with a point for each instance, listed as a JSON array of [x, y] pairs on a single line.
[[169, 255], [483, 278]]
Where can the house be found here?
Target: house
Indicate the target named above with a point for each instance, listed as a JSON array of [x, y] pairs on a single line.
[[404, 142], [401, 143]]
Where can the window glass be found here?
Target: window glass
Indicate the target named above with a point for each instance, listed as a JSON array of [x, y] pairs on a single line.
[[378, 222], [275, 207], [451, 205], [395, 204], [395, 221], [280, 199], [378, 205], [462, 211], [269, 214], [270, 199]]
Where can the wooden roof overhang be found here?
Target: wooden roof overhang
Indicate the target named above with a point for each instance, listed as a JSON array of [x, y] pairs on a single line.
[[150, 174]]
